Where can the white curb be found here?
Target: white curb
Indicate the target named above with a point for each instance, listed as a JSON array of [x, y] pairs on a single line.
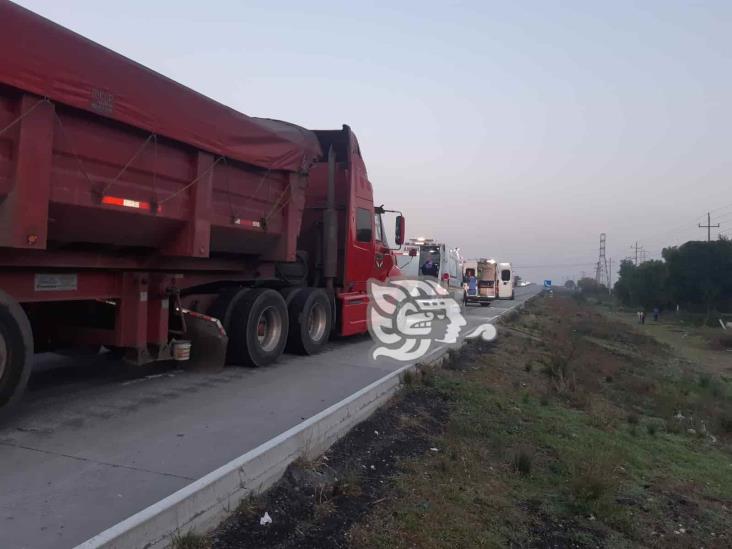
[[205, 503]]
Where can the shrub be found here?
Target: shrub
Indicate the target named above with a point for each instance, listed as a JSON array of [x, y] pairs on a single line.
[[725, 423], [522, 460], [593, 478]]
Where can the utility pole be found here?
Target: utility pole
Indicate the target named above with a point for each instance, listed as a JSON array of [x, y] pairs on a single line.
[[709, 227], [636, 248]]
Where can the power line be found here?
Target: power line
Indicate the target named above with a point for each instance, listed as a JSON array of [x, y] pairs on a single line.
[[548, 266], [687, 224]]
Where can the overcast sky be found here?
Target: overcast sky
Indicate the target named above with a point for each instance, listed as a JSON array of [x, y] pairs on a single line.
[[517, 130]]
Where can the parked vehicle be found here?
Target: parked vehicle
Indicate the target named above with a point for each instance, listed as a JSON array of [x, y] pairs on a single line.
[[142, 216], [505, 281], [428, 258], [485, 288], [408, 260]]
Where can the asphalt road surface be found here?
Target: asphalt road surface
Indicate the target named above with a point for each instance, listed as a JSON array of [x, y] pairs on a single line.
[[95, 441]]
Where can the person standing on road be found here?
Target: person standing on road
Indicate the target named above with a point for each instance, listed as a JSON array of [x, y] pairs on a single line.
[[643, 317], [656, 313]]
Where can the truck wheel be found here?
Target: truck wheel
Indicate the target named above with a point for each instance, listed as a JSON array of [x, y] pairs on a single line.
[[258, 328], [310, 322], [288, 294], [16, 351]]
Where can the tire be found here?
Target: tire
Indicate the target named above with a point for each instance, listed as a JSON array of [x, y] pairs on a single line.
[[16, 352], [225, 303], [484, 304], [258, 328], [289, 293], [311, 321]]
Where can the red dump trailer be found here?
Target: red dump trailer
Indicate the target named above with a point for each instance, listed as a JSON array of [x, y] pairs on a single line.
[[139, 215]]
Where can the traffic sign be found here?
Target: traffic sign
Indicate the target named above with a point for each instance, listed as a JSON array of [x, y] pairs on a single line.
[[547, 283]]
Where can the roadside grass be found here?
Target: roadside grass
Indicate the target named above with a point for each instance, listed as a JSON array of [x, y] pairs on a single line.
[[575, 429], [190, 540]]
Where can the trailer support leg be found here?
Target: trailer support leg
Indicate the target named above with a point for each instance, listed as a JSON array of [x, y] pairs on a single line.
[[132, 316]]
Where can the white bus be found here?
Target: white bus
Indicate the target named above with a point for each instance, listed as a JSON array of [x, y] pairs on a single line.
[[505, 281]]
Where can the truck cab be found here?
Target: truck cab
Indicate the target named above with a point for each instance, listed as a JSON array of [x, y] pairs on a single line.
[[344, 234]]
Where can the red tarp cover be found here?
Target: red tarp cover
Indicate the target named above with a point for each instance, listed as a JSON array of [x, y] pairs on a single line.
[[41, 57]]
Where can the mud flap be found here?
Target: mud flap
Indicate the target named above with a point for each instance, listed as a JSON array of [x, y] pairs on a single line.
[[208, 343]]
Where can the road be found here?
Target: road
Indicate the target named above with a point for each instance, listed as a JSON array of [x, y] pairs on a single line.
[[96, 441]]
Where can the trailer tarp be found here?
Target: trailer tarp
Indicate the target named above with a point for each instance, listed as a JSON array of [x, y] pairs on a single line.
[[46, 59]]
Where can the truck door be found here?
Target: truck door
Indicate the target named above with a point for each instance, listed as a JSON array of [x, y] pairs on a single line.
[[361, 257], [383, 258]]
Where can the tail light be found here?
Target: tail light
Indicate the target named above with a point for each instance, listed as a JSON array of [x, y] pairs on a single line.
[[445, 277]]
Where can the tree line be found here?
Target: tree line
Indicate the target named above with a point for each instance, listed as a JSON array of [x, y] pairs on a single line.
[[696, 276]]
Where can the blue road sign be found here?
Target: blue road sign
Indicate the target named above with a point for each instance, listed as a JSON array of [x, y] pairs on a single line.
[[547, 283]]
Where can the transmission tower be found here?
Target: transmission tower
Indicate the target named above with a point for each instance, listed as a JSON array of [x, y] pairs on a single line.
[[602, 273]]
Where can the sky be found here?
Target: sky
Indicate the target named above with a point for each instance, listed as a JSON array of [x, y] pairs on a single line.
[[513, 130]]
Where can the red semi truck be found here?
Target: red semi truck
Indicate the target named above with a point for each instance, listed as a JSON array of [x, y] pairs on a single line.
[[136, 214]]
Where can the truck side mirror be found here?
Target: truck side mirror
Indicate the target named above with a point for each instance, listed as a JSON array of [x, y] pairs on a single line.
[[400, 230]]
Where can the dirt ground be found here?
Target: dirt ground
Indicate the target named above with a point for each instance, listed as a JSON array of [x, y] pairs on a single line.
[[577, 428]]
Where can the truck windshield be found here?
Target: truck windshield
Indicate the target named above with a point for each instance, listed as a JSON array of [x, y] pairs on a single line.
[[380, 235]]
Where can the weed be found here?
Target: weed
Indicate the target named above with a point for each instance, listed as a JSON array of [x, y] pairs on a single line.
[[559, 366], [522, 460], [189, 540], [544, 401], [725, 423], [349, 484], [247, 507], [428, 377], [652, 428], [705, 381], [592, 478], [408, 378], [529, 366], [323, 509], [633, 419], [673, 426]]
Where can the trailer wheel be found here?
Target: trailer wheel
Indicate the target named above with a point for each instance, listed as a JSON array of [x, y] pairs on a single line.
[[16, 351], [310, 321], [258, 328]]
